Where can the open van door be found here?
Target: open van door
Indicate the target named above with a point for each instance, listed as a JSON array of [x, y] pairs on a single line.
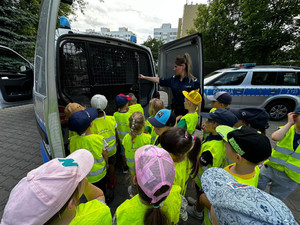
[[44, 91], [191, 44]]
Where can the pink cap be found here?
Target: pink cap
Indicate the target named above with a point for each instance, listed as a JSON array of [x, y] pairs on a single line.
[[154, 169], [45, 190]]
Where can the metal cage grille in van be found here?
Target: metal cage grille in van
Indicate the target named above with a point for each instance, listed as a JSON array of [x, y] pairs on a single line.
[[88, 68]]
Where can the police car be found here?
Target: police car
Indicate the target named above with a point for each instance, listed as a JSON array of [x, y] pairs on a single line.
[[275, 88]]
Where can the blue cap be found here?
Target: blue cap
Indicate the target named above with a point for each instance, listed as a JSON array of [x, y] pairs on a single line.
[[222, 117], [236, 203], [163, 117], [257, 117], [122, 100], [81, 120], [297, 109]]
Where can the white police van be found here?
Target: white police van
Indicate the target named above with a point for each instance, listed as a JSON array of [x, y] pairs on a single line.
[[72, 67], [275, 88]]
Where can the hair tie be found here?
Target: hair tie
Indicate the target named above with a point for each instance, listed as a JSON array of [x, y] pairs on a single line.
[[194, 138], [156, 206]]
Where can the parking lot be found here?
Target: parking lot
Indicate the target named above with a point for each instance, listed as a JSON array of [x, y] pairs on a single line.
[[19, 153]]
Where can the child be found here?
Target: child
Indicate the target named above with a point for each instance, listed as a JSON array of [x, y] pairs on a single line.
[[220, 100], [254, 117], [81, 122], [50, 194], [122, 120], [191, 101], [135, 139], [155, 105], [162, 121], [106, 126], [184, 152], [247, 148], [158, 202], [212, 152], [283, 167], [133, 105], [69, 110], [236, 203]]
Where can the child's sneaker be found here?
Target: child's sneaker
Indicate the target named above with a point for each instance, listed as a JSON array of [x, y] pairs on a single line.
[[191, 201], [194, 213]]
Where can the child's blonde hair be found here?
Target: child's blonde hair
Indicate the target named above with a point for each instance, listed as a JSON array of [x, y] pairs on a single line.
[[133, 99], [136, 124], [155, 105]]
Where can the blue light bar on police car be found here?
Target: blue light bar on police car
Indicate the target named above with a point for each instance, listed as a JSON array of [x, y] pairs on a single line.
[[243, 65]]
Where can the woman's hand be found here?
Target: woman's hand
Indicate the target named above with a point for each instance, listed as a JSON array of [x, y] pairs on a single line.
[[141, 76]]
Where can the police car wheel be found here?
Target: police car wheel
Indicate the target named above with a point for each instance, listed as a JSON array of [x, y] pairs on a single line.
[[278, 110]]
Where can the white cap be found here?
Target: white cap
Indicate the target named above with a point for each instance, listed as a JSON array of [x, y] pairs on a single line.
[[99, 102]]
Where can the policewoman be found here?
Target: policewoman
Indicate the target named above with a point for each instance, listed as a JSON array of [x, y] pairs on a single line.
[[183, 80]]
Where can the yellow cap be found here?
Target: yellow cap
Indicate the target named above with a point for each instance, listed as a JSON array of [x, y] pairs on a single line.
[[194, 96]]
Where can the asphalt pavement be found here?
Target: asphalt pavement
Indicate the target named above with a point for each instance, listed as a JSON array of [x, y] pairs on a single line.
[[20, 153]]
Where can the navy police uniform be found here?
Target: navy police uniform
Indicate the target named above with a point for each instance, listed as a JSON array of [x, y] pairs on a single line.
[[177, 87]]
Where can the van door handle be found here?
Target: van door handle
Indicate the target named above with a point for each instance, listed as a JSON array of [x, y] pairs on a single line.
[[273, 91], [239, 91]]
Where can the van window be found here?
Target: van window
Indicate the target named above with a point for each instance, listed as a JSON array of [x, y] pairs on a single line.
[[264, 78]]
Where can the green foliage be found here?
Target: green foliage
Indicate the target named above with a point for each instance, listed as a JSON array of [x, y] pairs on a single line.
[[153, 44], [236, 31]]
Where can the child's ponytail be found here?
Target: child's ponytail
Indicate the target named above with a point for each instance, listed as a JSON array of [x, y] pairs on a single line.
[[136, 124], [154, 215], [193, 154]]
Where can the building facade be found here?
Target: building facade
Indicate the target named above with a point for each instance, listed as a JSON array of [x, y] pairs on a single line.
[[186, 23], [165, 33], [122, 33]]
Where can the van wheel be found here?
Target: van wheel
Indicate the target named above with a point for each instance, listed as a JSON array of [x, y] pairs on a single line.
[[278, 110]]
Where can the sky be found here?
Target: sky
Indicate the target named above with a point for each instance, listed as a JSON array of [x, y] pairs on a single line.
[[139, 16]]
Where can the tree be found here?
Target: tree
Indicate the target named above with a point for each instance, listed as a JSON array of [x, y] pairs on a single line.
[[236, 31], [19, 22], [153, 44]]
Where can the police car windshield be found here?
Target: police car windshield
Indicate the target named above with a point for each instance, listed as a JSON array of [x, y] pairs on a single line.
[[211, 76]]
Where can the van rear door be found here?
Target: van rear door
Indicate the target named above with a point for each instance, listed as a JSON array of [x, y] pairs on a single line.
[[44, 91], [191, 44]]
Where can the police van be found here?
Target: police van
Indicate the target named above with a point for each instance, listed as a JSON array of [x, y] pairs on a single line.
[[275, 88], [72, 67]]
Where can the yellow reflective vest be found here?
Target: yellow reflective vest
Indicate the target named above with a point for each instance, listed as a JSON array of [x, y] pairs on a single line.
[[132, 211], [92, 213], [139, 141], [191, 120], [122, 120], [182, 173], [136, 108], [106, 128], [94, 144], [284, 158], [217, 149], [152, 133]]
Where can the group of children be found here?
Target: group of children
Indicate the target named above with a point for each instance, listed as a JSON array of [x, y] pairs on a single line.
[[162, 154]]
